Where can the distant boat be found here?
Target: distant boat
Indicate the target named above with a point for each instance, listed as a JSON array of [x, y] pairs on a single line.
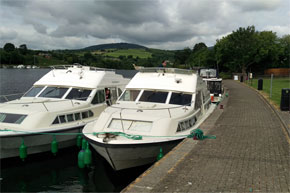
[[61, 102], [159, 108], [214, 84]]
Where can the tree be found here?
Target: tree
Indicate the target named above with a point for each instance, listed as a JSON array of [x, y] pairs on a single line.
[[199, 46], [238, 50], [181, 56], [9, 47], [285, 54], [23, 49]]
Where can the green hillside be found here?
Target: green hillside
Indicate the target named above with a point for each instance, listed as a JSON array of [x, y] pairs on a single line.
[[135, 53]]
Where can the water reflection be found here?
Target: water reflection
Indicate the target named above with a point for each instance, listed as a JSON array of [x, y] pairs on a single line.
[[48, 173]]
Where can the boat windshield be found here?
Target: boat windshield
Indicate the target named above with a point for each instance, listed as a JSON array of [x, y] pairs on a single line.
[[33, 91], [209, 73], [154, 96], [53, 92], [78, 94], [180, 99], [214, 86], [129, 95], [12, 118]]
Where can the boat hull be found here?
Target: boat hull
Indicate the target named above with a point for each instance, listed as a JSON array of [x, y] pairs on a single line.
[[123, 156], [36, 143]]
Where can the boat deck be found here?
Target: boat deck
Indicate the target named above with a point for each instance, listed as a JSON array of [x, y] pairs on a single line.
[[250, 153]]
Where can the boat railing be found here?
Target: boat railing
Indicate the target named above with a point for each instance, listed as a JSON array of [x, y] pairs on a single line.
[[167, 70], [185, 107], [92, 68], [10, 97], [73, 102]]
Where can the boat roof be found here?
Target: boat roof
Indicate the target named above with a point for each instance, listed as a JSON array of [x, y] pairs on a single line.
[[81, 76], [170, 79]]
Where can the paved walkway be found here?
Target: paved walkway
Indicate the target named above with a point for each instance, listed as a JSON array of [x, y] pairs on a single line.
[[250, 154]]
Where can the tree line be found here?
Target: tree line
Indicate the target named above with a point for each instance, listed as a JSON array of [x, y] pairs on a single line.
[[243, 50]]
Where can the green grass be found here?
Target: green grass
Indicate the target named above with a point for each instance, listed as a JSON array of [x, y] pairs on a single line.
[[277, 85], [141, 53]]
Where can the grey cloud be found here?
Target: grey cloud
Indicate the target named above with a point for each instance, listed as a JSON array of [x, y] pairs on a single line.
[[256, 5]]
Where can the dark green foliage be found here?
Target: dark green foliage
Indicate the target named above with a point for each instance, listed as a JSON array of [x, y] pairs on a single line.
[[9, 47], [114, 46]]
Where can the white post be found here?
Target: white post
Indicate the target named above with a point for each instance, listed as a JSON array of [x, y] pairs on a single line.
[[271, 86]]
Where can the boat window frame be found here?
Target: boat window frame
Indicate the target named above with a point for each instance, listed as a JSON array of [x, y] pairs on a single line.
[[154, 90], [182, 93], [97, 95], [62, 87], [78, 88], [137, 97], [44, 87]]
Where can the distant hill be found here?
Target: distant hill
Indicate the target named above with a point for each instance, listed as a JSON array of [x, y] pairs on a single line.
[[114, 46]]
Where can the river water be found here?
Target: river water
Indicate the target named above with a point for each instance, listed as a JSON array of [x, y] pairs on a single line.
[[60, 173]]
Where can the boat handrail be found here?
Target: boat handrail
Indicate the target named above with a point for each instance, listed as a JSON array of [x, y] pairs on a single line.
[[44, 102], [167, 70], [9, 95], [185, 107], [92, 68]]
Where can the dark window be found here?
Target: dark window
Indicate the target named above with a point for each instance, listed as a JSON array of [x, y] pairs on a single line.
[[53, 92], [85, 114], [99, 97], [214, 87], [198, 101], [56, 121], [154, 97], [62, 118], [77, 116], [70, 117], [33, 91], [180, 99], [91, 113], [130, 95], [12, 118], [119, 91], [78, 94]]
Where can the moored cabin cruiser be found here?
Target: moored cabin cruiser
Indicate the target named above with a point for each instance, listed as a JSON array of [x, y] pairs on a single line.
[[214, 84], [158, 109], [59, 104]]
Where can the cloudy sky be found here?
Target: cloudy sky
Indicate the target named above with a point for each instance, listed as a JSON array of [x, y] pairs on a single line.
[[163, 24]]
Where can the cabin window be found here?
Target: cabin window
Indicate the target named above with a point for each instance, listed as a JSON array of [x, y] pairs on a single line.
[[85, 114], [33, 91], [180, 99], [198, 101], [77, 116], [99, 97], [56, 121], [69, 117], [12, 118], [114, 95], [129, 95], [78, 94], [119, 91], [91, 114], [62, 119], [53, 92], [153, 96]]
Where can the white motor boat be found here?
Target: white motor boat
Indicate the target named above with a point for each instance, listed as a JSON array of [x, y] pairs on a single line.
[[159, 108], [214, 84], [57, 106]]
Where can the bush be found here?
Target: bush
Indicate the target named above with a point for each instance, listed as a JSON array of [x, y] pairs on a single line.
[[225, 75]]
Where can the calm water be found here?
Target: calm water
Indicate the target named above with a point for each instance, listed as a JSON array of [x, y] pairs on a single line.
[[48, 173]]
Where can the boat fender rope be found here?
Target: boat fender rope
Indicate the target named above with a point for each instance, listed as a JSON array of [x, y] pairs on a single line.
[[197, 134]]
